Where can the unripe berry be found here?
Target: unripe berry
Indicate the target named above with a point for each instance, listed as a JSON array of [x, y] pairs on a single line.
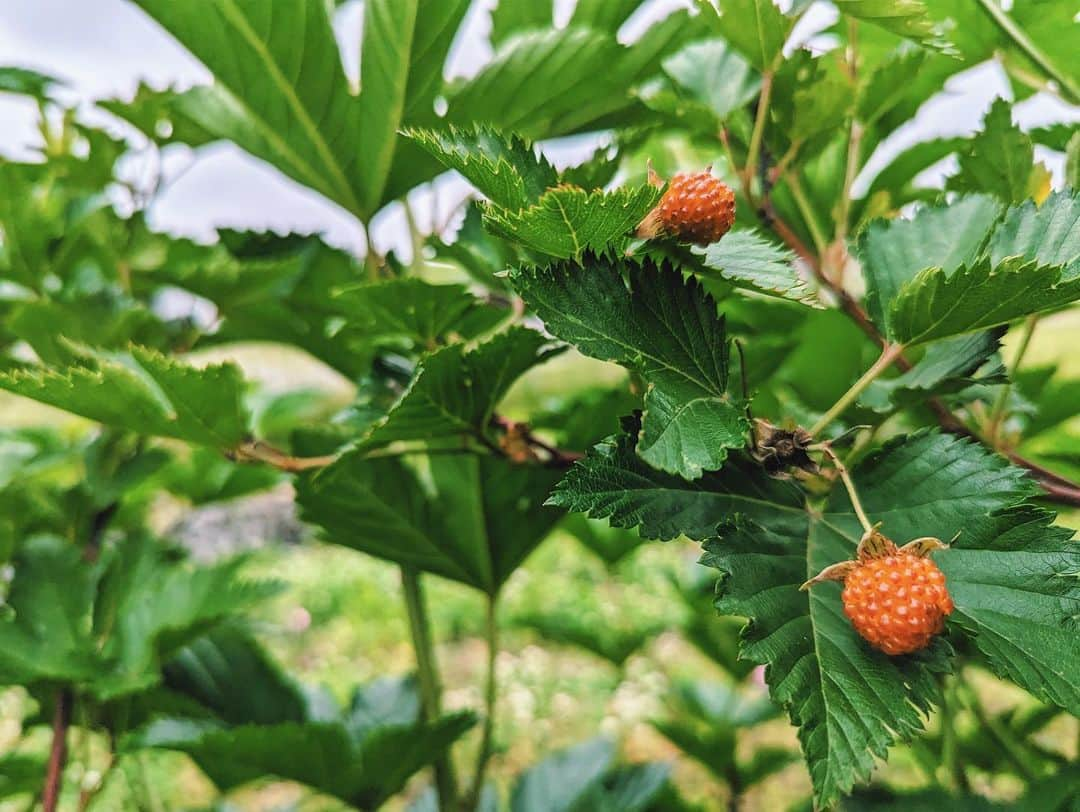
[[695, 208]]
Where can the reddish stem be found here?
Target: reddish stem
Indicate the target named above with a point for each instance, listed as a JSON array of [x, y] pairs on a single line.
[[54, 773]]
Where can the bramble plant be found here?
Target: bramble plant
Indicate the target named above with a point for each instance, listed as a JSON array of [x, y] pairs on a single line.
[[822, 381]]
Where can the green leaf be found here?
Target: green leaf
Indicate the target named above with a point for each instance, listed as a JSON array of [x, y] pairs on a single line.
[[567, 222], [629, 788], [610, 544], [143, 391], [431, 315], [748, 260], [513, 17], [948, 366], [26, 82], [471, 519], [385, 53], [613, 483], [998, 160], [909, 19], [227, 672], [1049, 233], [936, 304], [506, 169], [604, 15], [888, 83], [282, 93], [896, 178], [1072, 162], [892, 252], [105, 627], [694, 69], [321, 755], [561, 780], [454, 393], [575, 628], [666, 329], [756, 28], [161, 115]]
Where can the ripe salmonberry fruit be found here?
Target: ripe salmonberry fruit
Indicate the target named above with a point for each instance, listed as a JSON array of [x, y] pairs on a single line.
[[894, 597], [695, 208]]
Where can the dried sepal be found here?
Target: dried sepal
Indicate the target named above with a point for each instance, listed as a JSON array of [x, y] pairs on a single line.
[[779, 449], [874, 544], [835, 572]]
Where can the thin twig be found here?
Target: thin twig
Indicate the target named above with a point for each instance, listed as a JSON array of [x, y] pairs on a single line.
[[997, 413], [848, 483], [1025, 44], [257, 451]]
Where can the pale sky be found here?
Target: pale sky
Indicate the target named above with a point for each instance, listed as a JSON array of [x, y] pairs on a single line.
[[104, 48]]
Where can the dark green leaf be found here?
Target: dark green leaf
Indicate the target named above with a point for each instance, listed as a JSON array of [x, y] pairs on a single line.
[[612, 482], [948, 366], [666, 329]]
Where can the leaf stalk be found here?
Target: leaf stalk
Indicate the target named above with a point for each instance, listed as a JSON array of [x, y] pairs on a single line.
[[884, 361]]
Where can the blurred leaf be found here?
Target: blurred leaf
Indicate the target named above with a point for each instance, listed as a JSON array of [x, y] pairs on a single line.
[[1072, 162], [511, 17], [630, 788], [616, 645], [142, 391], [746, 259], [562, 780], [666, 329], [896, 178], [26, 82], [888, 83], [604, 15], [909, 19], [21, 774], [756, 28], [997, 160], [455, 391], [471, 519], [694, 69], [567, 222], [610, 544]]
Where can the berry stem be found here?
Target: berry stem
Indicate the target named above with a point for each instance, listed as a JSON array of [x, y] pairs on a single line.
[[759, 128], [853, 494], [886, 359], [491, 634]]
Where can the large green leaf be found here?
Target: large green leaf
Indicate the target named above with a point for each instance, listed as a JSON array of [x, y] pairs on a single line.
[[748, 260], [566, 221], [605, 15], [468, 518], [282, 93], [511, 17], [1049, 233], [613, 483], [756, 28], [454, 393], [666, 329], [849, 700], [998, 160], [506, 169], [936, 304], [892, 252], [142, 391]]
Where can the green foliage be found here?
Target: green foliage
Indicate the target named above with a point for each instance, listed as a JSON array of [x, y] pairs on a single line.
[[445, 414], [664, 328]]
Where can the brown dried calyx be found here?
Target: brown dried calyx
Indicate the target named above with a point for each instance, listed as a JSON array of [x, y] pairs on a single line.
[[779, 449]]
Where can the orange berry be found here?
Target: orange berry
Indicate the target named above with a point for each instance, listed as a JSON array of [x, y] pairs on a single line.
[[695, 208], [896, 603]]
